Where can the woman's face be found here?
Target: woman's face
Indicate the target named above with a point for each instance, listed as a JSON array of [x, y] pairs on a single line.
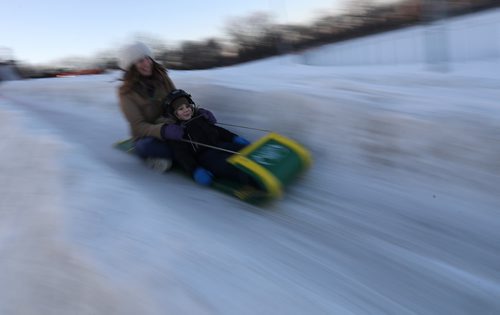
[[145, 66], [184, 112]]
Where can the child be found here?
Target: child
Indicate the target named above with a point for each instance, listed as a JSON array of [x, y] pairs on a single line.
[[205, 162]]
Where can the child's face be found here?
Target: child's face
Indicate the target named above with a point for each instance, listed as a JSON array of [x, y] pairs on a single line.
[[184, 112]]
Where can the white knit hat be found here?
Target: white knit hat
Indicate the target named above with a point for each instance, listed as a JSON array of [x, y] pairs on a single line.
[[132, 53]]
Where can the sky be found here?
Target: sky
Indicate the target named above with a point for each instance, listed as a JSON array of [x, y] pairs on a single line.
[[43, 31]]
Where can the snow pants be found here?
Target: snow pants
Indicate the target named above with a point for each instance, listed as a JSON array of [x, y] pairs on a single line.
[[215, 161], [153, 147]]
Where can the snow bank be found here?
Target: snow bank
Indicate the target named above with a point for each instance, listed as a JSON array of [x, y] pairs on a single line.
[[403, 184], [441, 125], [40, 270]]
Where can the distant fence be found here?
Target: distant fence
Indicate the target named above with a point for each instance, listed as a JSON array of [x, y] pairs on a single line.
[[471, 37]]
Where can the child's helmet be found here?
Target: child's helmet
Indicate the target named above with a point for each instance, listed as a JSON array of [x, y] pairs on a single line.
[[174, 95]]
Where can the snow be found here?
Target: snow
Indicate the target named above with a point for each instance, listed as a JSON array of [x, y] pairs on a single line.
[[398, 215]]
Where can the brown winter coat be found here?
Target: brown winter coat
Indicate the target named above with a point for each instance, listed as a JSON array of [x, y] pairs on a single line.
[[141, 103]]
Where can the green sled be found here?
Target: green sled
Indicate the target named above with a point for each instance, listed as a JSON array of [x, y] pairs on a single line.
[[274, 161]]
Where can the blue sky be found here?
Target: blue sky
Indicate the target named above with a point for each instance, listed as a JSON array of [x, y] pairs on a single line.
[[43, 31]]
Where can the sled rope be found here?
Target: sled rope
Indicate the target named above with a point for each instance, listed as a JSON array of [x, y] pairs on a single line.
[[264, 130], [231, 125], [209, 146]]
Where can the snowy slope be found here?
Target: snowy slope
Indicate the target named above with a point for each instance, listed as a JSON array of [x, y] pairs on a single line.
[[398, 215]]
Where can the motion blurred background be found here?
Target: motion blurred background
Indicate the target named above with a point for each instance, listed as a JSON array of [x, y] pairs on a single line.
[[269, 32]]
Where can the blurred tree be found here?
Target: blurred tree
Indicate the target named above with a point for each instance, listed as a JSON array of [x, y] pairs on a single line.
[[6, 54], [200, 55], [254, 36], [249, 30]]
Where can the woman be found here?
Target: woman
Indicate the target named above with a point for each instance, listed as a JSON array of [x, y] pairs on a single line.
[[144, 89]]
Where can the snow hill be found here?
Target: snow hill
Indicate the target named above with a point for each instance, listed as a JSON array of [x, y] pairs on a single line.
[[398, 215]]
